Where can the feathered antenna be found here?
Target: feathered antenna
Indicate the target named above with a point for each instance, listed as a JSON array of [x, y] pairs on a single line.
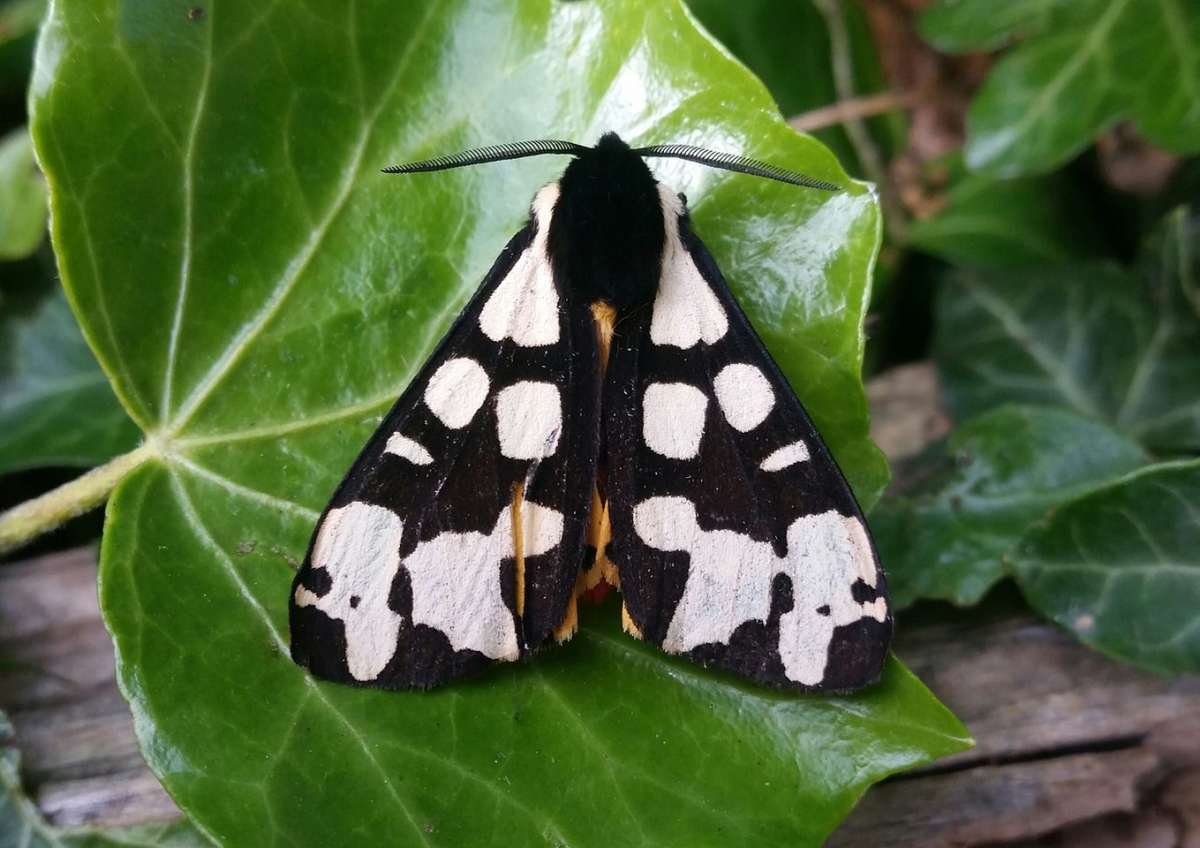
[[497, 153], [732, 162]]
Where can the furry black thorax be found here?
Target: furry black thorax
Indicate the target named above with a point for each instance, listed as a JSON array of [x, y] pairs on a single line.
[[607, 235]]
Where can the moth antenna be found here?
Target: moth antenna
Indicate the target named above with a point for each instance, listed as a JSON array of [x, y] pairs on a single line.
[[496, 153], [733, 162]]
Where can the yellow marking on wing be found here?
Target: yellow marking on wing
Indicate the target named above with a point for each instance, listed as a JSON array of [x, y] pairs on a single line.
[[518, 533], [628, 623], [605, 317], [599, 534], [570, 623]]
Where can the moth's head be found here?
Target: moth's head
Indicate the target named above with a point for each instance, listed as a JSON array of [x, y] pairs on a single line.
[[611, 152]]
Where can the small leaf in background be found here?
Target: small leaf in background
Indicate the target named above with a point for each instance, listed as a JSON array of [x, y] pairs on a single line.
[[992, 223], [56, 406], [22, 197], [19, 21], [1074, 70], [260, 295], [22, 826], [1120, 568], [1000, 472], [1108, 343]]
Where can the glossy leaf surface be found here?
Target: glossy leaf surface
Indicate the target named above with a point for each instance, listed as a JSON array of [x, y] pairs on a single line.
[[997, 475], [1075, 69], [1120, 568], [260, 295], [1107, 343]]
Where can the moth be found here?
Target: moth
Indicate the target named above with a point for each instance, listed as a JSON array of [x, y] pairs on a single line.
[[601, 410]]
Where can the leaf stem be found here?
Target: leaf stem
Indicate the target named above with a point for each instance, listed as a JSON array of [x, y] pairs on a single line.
[[857, 108], [26, 521]]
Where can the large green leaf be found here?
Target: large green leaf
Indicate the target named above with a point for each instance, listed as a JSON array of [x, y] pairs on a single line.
[[1105, 342], [993, 223], [22, 826], [260, 295], [1000, 472], [1120, 568], [56, 406], [22, 197], [1078, 67]]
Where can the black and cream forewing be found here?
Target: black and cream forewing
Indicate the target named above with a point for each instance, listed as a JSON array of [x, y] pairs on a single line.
[[737, 540], [455, 539]]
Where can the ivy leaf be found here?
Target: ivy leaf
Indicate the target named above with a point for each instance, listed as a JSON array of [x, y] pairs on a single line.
[[999, 473], [22, 826], [1077, 68], [22, 197], [1120, 568], [56, 406], [992, 223], [1109, 344], [260, 295]]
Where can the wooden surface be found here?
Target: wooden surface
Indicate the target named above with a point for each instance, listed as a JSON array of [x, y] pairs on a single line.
[[1068, 741], [1073, 749]]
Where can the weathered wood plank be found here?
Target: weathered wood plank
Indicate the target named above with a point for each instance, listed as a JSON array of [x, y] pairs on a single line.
[[997, 803], [1064, 734]]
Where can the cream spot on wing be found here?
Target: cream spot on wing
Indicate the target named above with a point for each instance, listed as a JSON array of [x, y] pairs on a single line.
[[403, 446], [528, 420], [785, 457], [745, 396], [730, 576], [359, 545], [524, 306], [673, 419], [455, 580], [456, 391], [686, 309]]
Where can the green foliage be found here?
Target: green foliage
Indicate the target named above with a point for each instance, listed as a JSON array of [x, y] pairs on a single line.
[[994, 477], [18, 25], [259, 295], [21, 826], [990, 223], [56, 407], [1119, 568], [1107, 343], [1077, 67], [22, 197]]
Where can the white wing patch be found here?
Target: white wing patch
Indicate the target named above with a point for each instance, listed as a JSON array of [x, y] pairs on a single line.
[[785, 457], [673, 419], [524, 307], [456, 580], [403, 446], [456, 391], [528, 420], [359, 545], [730, 575], [744, 395], [686, 310]]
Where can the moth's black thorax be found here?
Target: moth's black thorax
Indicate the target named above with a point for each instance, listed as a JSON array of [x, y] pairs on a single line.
[[606, 234]]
